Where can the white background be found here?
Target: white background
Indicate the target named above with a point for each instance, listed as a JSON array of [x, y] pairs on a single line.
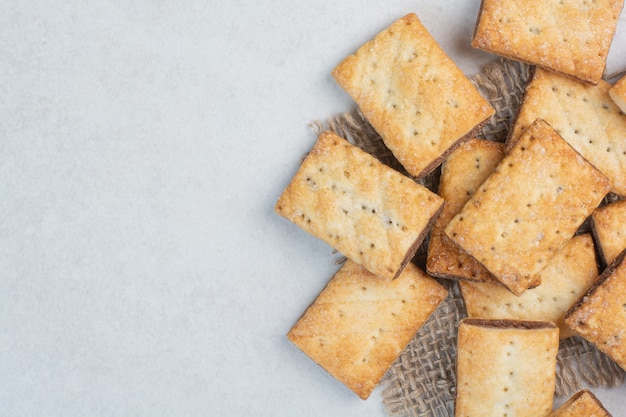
[[143, 145]]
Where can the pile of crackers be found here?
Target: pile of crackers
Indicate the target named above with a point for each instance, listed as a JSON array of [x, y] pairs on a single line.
[[505, 221]]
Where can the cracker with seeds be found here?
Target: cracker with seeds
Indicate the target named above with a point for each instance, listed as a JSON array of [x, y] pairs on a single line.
[[600, 315], [367, 211], [359, 324], [618, 93], [461, 174], [568, 37], [528, 209], [505, 367], [563, 281], [584, 115], [608, 224], [413, 94], [581, 404]]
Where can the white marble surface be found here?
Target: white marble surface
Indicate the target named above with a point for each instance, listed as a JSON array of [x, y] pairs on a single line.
[[142, 147]]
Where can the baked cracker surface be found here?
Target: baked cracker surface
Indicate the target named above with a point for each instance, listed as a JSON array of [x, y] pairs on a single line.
[[413, 94], [359, 324], [367, 211], [505, 367], [563, 281], [571, 37], [583, 403], [608, 224], [600, 315], [617, 92], [528, 209], [584, 115], [461, 174]]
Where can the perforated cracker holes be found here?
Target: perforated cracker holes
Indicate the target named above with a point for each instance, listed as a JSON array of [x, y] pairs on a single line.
[[364, 209], [568, 37], [413, 94], [526, 211], [505, 367], [359, 324], [584, 115]]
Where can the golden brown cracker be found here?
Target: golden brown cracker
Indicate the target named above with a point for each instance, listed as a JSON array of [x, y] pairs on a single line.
[[359, 324], [584, 115], [461, 174], [569, 37], [528, 209], [608, 224], [563, 281], [600, 315], [582, 404], [413, 94], [367, 211], [505, 367], [617, 92]]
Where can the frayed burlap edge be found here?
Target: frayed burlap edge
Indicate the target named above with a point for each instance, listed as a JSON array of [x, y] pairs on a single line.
[[421, 382]]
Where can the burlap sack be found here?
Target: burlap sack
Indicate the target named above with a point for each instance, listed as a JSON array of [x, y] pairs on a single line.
[[422, 381]]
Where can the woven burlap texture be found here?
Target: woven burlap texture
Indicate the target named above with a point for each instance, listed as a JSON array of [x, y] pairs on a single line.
[[421, 382]]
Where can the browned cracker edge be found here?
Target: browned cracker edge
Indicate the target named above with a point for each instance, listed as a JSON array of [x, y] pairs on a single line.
[[472, 133], [531, 75], [509, 323], [597, 283], [418, 242], [514, 58], [582, 392], [600, 254], [579, 154], [438, 274], [502, 324], [477, 23]]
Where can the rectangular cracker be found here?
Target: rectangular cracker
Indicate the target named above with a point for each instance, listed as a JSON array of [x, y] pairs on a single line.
[[617, 92], [461, 174], [584, 115], [528, 209], [600, 315], [359, 324], [583, 403], [367, 211], [563, 281], [505, 367], [568, 37], [413, 94], [608, 224]]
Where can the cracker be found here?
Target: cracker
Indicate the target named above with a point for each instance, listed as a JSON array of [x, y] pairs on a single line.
[[608, 224], [581, 404], [461, 174], [367, 211], [359, 324], [584, 115], [528, 209], [413, 94], [600, 315], [505, 367], [618, 93], [569, 37], [563, 281]]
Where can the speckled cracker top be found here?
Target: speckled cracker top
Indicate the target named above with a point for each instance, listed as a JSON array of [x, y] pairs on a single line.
[[526, 211], [369, 212], [413, 94]]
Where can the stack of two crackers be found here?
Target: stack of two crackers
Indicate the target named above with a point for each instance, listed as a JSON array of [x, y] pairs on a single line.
[[503, 221]]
